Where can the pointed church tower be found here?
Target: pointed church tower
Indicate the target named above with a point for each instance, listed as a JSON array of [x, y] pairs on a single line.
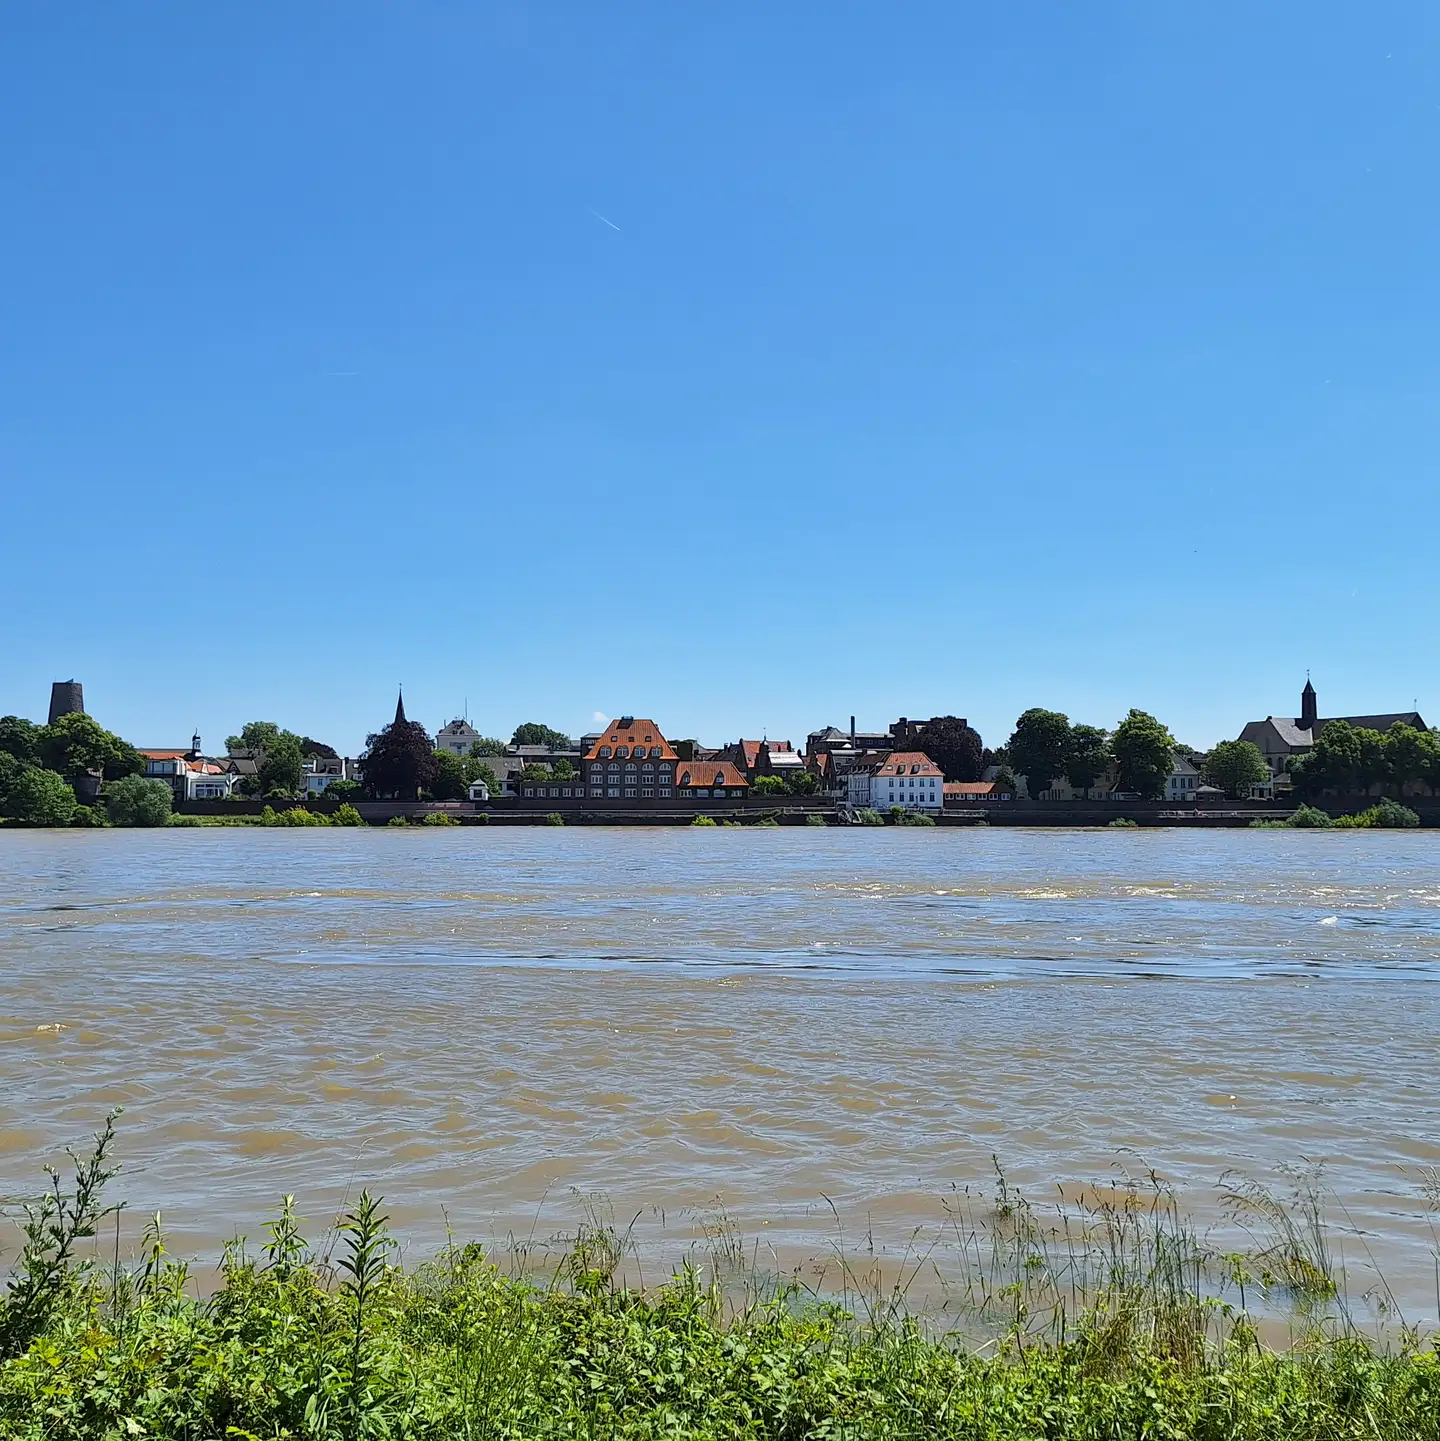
[[400, 709], [1309, 709]]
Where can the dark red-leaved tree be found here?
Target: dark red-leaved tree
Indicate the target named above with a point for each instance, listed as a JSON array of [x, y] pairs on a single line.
[[399, 761], [955, 747]]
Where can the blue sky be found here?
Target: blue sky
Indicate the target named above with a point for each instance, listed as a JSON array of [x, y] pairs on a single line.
[[931, 358]]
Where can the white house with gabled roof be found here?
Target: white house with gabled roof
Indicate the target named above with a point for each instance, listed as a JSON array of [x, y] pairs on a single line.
[[908, 779]]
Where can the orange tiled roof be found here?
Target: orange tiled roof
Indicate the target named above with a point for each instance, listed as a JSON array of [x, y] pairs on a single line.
[[971, 788], [163, 755], [749, 752], [709, 773], [639, 732]]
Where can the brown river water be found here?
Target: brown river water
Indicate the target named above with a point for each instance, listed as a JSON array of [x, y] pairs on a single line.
[[825, 1035]]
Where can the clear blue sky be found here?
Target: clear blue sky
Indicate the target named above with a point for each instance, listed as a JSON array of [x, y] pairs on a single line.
[[935, 358]]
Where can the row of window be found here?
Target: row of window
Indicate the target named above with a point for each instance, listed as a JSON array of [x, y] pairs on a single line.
[[596, 770], [623, 751]]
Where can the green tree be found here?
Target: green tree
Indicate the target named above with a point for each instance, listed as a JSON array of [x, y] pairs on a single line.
[[135, 801], [562, 770], [310, 748], [254, 736], [955, 747], [1333, 763], [532, 733], [1235, 766], [536, 772], [768, 786], [283, 767], [399, 761], [1409, 755], [11, 770], [1089, 757], [20, 738], [1039, 748], [806, 783], [449, 783], [488, 746], [1373, 766], [41, 798], [77, 745], [1144, 754]]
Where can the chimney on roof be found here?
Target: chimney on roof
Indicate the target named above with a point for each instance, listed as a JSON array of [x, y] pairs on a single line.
[[852, 730], [1309, 707]]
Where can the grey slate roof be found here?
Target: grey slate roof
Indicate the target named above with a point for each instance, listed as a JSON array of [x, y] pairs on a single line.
[[1292, 734], [1381, 723]]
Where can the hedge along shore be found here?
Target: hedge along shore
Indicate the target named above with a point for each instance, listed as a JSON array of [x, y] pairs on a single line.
[[1119, 1323]]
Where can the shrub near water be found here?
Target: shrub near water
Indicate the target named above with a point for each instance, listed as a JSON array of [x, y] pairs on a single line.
[[294, 816], [351, 1345], [134, 801]]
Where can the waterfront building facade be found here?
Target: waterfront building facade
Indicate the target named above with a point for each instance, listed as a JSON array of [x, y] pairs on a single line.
[[908, 779]]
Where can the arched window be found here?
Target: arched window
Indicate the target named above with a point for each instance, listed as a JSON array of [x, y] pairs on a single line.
[[622, 750], [604, 750]]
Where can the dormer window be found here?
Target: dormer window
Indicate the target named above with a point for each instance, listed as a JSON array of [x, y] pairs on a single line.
[[604, 751], [622, 750]]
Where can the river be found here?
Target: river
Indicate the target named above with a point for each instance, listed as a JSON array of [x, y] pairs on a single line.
[[806, 1029]]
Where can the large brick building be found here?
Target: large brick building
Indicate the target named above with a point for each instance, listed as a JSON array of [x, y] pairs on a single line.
[[631, 763]]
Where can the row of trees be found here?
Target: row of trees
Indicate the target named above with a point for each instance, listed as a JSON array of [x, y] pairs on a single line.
[[1141, 752], [1046, 747], [41, 765], [1349, 759]]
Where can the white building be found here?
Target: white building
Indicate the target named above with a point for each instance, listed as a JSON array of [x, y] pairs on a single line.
[[320, 772], [189, 775], [457, 738], [909, 779], [1183, 782]]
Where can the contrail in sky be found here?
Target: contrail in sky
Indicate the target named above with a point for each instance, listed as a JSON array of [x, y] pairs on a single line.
[[610, 223]]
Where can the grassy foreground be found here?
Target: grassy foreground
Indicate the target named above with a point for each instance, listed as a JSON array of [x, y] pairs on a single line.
[[339, 1342]]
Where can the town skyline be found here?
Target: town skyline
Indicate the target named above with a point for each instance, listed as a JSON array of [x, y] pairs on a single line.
[[347, 733]]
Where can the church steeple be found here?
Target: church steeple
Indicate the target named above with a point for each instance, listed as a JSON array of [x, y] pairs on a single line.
[[400, 708], [1309, 707]]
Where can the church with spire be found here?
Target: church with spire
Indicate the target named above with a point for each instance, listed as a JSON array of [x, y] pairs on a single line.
[[1280, 737]]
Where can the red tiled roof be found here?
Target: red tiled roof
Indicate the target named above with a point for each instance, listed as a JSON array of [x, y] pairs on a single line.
[[639, 732], [971, 788], [709, 773]]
